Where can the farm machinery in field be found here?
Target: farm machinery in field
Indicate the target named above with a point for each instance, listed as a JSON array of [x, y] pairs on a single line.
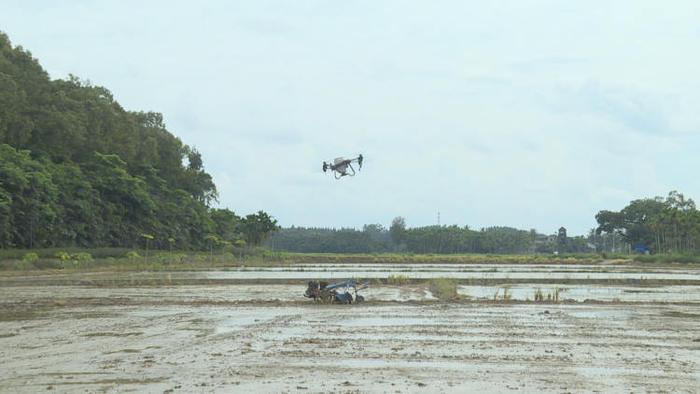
[[339, 293]]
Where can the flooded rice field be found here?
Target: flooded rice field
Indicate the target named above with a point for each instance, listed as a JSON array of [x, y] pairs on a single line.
[[147, 332], [630, 273], [293, 293]]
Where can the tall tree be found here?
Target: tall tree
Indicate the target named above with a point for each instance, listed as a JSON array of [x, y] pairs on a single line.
[[397, 229]]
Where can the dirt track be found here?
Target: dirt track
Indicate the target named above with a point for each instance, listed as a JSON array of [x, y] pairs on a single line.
[[239, 338]]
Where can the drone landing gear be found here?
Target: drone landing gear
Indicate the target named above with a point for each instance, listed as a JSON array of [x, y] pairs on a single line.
[[339, 174]]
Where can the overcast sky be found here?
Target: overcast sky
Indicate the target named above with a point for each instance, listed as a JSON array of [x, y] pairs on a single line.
[[531, 114]]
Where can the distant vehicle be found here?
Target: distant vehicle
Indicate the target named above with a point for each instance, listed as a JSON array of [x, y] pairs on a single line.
[[343, 167], [640, 249], [335, 293]]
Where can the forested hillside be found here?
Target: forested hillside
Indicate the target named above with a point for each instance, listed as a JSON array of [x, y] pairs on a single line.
[[77, 169]]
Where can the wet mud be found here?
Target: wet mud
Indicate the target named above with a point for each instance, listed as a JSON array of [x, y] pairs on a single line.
[[267, 338]]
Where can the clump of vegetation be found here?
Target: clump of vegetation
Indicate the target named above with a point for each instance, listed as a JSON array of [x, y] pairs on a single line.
[[75, 260], [552, 296], [168, 257], [27, 261], [63, 256], [506, 294], [668, 258], [398, 280], [539, 296], [82, 257], [227, 256], [30, 257], [132, 255], [443, 288]]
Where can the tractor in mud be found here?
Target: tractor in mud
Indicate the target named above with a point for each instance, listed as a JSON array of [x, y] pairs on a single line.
[[338, 293]]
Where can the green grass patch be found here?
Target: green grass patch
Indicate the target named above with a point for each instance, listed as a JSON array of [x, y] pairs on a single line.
[[668, 258], [135, 259]]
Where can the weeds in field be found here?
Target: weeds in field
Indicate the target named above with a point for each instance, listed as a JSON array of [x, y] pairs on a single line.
[[398, 280], [443, 288], [668, 258], [539, 296], [30, 257], [506, 294], [553, 296]]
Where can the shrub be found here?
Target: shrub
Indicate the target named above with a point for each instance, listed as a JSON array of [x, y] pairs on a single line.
[[76, 260], [63, 256], [82, 257], [228, 256], [30, 257]]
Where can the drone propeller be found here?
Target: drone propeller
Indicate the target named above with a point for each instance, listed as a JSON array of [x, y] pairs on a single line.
[[325, 166], [359, 160]]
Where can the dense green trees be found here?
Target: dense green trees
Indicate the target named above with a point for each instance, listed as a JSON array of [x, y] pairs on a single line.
[[257, 227], [76, 169], [670, 225], [431, 239], [322, 240]]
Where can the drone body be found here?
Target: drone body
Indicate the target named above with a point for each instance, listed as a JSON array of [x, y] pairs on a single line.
[[343, 167]]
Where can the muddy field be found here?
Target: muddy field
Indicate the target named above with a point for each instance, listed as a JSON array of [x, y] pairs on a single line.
[[171, 332]]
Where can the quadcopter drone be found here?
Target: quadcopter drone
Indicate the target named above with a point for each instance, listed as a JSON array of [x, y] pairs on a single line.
[[343, 167]]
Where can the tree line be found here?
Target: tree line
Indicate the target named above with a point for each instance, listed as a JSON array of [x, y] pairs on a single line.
[[666, 225], [375, 238], [77, 169]]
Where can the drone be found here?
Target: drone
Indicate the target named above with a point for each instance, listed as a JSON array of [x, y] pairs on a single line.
[[343, 167]]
